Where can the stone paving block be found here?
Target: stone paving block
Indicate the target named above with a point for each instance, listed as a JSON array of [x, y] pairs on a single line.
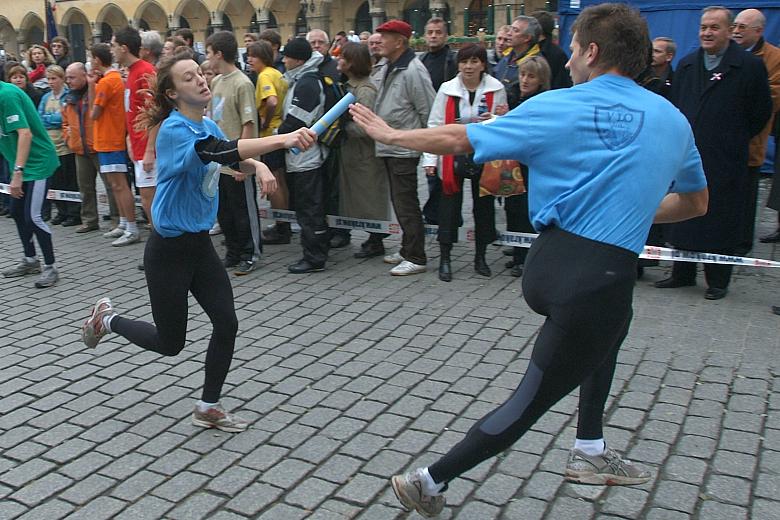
[[138, 485], [263, 457], [253, 499], [310, 493], [767, 486], [695, 446], [676, 496], [25, 451], [542, 485], [361, 489], [728, 489], [712, 510], [87, 489], [147, 508], [51, 510], [338, 469], [27, 472], [40, 489], [125, 466], [99, 509], [286, 472], [199, 505], [10, 509]]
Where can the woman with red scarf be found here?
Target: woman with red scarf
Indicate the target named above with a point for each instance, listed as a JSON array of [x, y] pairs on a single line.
[[472, 96]]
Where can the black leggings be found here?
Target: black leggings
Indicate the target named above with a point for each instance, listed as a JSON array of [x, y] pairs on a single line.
[[174, 267], [585, 289], [26, 212]]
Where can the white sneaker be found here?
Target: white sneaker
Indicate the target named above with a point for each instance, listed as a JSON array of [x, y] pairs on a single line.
[[406, 268], [115, 233], [126, 239], [216, 229], [393, 259]]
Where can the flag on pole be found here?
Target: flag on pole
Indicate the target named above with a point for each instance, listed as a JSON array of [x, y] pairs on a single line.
[[51, 25]]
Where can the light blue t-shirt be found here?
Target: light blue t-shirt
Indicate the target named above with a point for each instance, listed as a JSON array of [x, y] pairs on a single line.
[[186, 197], [601, 156]]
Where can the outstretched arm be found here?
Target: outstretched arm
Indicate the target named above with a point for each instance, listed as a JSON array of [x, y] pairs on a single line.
[[676, 207], [442, 140], [302, 139]]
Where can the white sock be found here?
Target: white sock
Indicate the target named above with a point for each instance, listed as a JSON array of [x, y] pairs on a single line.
[[203, 406], [591, 447], [30, 259], [107, 322], [122, 223], [430, 487], [131, 227]]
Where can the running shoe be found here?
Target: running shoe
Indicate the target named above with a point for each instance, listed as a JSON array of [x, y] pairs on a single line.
[[217, 417], [408, 489], [126, 239], [394, 259], [48, 277], [607, 469], [93, 330], [406, 268], [246, 266], [24, 267], [114, 233]]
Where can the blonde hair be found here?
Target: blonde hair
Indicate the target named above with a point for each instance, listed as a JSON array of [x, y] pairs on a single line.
[[48, 59], [56, 70], [539, 67]]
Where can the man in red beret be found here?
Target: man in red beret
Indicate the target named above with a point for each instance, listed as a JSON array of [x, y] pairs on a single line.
[[404, 101]]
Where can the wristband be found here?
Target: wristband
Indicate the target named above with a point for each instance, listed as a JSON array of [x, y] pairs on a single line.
[[19, 169]]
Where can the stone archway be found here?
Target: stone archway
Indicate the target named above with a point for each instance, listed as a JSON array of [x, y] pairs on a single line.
[[150, 16], [240, 14], [110, 19], [196, 17], [78, 32], [8, 40], [417, 12], [31, 31]]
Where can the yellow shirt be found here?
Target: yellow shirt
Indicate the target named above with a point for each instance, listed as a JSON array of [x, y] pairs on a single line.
[[270, 83]]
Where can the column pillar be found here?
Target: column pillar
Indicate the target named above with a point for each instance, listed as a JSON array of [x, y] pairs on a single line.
[[263, 18], [377, 11], [320, 17]]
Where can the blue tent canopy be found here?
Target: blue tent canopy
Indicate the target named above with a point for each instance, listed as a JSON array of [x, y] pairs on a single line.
[[677, 20]]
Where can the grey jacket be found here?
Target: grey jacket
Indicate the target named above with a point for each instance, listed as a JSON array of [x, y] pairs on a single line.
[[303, 106], [404, 99]]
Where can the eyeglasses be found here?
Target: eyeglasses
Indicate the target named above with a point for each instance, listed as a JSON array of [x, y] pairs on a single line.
[[742, 26]]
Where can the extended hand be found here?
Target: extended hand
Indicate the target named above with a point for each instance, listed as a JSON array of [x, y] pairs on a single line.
[[372, 124], [267, 180], [303, 139]]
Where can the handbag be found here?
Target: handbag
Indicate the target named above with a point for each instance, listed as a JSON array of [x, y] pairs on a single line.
[[502, 178], [464, 166]]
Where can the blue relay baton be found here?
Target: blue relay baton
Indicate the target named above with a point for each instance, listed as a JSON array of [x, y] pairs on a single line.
[[330, 117]]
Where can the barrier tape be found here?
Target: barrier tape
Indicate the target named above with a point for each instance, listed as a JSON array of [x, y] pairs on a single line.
[[68, 196], [505, 238]]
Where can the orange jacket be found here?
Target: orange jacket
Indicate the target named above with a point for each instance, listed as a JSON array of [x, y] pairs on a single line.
[[771, 56], [77, 123]]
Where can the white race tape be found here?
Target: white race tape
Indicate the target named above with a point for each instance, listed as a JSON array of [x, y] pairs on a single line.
[[70, 196], [506, 238]]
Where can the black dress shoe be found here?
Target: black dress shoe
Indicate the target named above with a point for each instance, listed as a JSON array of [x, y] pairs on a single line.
[[770, 238], [59, 219], [673, 283], [369, 250], [272, 237], [517, 270], [339, 240], [3, 211], [776, 309], [71, 221], [303, 267], [508, 251], [481, 267], [715, 293], [445, 271]]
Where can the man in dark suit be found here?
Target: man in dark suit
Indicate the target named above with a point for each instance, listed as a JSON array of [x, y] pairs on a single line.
[[552, 53], [723, 91]]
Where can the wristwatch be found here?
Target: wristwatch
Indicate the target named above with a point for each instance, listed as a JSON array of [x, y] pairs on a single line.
[[19, 169]]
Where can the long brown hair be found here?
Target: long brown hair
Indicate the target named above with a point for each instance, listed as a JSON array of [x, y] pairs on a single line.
[[158, 105]]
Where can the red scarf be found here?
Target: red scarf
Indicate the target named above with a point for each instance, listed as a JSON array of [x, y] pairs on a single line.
[[451, 113]]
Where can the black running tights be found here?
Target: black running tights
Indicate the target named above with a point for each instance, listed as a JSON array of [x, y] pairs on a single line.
[[175, 267], [584, 288]]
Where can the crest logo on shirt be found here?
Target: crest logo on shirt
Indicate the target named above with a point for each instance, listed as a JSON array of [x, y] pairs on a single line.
[[618, 125], [12, 119]]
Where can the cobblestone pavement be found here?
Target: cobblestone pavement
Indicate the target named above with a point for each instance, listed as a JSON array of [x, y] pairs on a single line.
[[351, 375]]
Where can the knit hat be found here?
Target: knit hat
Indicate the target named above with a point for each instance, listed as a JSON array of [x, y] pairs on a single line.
[[396, 26], [297, 48]]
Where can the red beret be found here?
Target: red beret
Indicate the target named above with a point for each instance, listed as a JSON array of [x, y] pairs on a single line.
[[396, 26]]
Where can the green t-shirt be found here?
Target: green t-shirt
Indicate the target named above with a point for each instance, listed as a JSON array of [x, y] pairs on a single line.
[[17, 111]]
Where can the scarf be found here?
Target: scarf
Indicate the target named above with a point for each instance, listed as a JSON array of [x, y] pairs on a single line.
[[451, 113]]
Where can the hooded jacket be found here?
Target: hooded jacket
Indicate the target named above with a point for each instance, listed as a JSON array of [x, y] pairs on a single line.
[[303, 106]]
